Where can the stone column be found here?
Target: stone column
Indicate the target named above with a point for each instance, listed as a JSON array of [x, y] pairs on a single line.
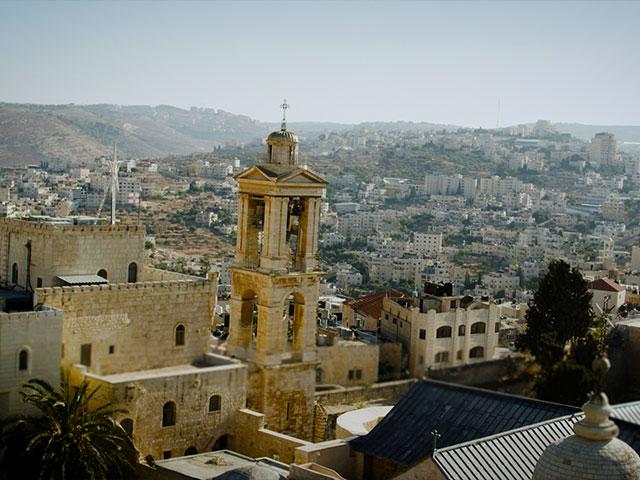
[[274, 253], [308, 239]]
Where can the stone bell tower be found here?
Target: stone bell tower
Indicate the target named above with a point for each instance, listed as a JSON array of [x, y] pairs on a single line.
[[274, 290]]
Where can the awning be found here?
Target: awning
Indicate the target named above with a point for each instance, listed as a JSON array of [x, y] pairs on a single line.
[[83, 280]]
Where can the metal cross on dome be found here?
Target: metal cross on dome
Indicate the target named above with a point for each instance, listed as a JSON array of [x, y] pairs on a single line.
[[284, 107]]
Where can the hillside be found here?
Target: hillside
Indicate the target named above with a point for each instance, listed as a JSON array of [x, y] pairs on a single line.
[[31, 133]]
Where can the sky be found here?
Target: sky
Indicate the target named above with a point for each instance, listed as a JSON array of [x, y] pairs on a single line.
[[464, 63]]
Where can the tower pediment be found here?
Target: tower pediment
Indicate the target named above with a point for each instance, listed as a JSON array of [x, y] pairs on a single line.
[[289, 175]]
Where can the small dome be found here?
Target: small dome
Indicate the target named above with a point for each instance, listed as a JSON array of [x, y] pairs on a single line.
[[594, 451], [283, 136], [576, 458], [253, 472]]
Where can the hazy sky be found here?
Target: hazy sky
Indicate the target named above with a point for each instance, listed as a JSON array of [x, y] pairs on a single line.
[[346, 62]]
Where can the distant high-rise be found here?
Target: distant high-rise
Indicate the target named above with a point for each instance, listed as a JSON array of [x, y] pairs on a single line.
[[602, 150]]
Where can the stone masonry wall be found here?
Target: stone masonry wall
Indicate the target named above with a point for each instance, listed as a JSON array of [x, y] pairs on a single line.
[[336, 361], [388, 393], [40, 334], [68, 250], [132, 326], [144, 396]]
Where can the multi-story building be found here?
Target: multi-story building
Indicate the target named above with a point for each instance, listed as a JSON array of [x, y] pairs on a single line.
[[441, 330], [602, 150], [427, 243]]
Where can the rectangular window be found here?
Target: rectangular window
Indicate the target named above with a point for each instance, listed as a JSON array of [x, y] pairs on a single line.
[[395, 321], [498, 327], [85, 354], [423, 334], [38, 282], [166, 454], [112, 349], [358, 374]]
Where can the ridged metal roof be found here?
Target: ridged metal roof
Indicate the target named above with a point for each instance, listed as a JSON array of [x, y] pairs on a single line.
[[513, 455], [627, 411], [458, 413]]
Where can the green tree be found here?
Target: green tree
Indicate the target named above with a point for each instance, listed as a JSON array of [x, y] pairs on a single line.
[[560, 311], [562, 333], [67, 440]]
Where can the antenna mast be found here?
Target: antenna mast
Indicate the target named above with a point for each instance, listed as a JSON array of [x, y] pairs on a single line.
[[114, 183]]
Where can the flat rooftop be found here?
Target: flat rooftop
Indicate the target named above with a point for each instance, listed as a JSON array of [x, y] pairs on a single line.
[[214, 363], [209, 465]]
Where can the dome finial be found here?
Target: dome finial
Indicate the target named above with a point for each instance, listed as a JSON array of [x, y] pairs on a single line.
[[284, 106]]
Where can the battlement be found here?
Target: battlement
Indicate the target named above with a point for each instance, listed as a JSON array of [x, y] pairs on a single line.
[[46, 313], [27, 226], [196, 284]]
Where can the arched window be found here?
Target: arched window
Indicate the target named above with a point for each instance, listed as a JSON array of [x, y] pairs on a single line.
[[179, 335], [169, 414], [478, 327], [476, 352], [127, 425], [102, 273], [132, 275], [191, 451], [23, 360], [443, 332], [462, 330], [442, 357], [215, 403], [14, 274]]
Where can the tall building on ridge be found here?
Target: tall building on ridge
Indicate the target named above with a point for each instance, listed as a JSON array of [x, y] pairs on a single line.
[[602, 150], [274, 286]]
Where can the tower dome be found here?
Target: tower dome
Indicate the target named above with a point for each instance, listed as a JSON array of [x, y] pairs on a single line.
[[282, 144], [593, 452]]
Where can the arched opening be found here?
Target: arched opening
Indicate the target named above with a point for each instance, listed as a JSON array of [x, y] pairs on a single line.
[[476, 352], [127, 426], [443, 332], [462, 330], [102, 273], [294, 216], [168, 414], [180, 334], [132, 274], [249, 317], [215, 403], [23, 360], [442, 357], [293, 321], [221, 443], [478, 327], [14, 274], [191, 451]]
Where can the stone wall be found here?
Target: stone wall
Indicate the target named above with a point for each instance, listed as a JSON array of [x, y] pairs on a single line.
[[39, 333], [485, 373], [132, 326], [387, 393], [144, 394], [333, 454], [68, 250], [341, 362], [254, 440]]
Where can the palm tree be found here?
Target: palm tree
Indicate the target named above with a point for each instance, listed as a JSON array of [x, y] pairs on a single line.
[[69, 440]]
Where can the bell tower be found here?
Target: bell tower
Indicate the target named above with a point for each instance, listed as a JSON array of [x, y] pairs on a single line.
[[274, 286]]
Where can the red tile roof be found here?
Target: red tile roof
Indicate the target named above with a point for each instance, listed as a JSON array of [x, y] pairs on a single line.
[[371, 305], [606, 285]]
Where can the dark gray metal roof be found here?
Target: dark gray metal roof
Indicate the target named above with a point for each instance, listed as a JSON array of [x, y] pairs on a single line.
[[513, 455], [458, 413]]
